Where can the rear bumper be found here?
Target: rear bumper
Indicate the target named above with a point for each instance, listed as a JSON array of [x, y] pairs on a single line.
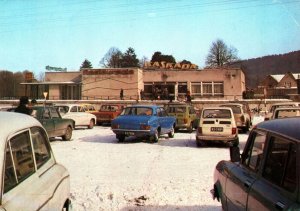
[[224, 139]]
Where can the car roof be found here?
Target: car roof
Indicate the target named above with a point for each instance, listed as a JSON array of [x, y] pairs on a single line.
[[286, 103], [211, 108], [289, 126], [142, 105], [287, 108], [12, 122]]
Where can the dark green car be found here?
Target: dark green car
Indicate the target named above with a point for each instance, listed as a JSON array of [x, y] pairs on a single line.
[[266, 176], [53, 123]]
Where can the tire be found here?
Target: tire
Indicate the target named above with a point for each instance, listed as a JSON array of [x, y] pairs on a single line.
[[155, 137], [190, 128], [200, 143], [91, 125], [121, 138], [67, 206], [172, 133], [68, 134], [246, 128], [236, 142]]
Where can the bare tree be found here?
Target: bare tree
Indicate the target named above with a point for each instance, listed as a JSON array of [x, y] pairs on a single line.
[[143, 60], [113, 58], [219, 54]]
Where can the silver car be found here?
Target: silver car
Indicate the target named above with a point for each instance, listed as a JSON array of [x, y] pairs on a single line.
[[31, 177]]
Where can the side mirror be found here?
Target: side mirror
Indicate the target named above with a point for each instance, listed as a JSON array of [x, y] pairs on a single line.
[[235, 154]]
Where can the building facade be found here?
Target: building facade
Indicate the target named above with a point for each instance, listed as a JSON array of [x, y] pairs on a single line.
[[157, 83]]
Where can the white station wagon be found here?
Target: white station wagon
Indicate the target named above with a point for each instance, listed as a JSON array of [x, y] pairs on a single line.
[[217, 124], [31, 178]]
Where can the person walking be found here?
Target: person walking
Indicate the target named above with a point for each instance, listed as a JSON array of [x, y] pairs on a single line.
[[23, 106], [122, 94]]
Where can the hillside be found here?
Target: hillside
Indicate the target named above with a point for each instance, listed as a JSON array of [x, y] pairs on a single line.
[[258, 68]]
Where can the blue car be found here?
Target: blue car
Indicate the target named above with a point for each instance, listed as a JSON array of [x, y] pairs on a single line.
[[148, 121]]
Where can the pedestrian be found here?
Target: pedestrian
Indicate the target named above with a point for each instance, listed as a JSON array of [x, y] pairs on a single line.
[[23, 106], [188, 97], [142, 94], [122, 94]]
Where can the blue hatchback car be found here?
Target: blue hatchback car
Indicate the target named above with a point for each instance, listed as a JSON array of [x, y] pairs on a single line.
[[148, 121]]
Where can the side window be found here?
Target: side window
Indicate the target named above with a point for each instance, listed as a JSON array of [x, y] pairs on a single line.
[[280, 167], [163, 112], [254, 154], [10, 179], [40, 146], [46, 114], [54, 113], [73, 109], [158, 112], [22, 155]]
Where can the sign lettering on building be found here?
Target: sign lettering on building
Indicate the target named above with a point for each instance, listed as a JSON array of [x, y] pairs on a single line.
[[59, 69], [168, 65], [107, 71]]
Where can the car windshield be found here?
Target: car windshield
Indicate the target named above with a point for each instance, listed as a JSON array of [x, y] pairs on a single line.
[[216, 113], [287, 113], [176, 109], [235, 109], [139, 111], [273, 107]]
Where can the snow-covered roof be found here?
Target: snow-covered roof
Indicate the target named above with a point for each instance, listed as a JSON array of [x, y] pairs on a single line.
[[296, 75], [277, 77]]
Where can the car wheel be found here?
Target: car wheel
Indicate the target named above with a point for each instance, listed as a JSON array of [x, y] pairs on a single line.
[[155, 137], [246, 128], [91, 125], [171, 133], [200, 143], [68, 134], [235, 143], [67, 206], [190, 128], [121, 138]]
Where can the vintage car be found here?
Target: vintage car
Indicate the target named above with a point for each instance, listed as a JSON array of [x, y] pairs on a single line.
[[186, 116], [266, 175], [242, 115], [280, 105], [55, 125], [285, 112], [108, 112], [149, 121], [31, 177], [217, 125], [77, 113]]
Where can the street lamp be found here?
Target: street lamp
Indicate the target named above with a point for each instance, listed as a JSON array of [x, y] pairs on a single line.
[[45, 96]]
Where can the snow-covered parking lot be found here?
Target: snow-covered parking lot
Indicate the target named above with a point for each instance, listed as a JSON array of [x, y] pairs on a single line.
[[172, 174]]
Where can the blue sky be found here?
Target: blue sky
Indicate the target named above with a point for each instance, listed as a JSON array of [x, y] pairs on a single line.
[[34, 34]]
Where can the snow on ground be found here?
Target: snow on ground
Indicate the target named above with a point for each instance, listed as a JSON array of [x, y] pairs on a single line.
[[172, 174]]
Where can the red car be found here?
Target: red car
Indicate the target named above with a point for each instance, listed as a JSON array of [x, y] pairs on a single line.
[[108, 112]]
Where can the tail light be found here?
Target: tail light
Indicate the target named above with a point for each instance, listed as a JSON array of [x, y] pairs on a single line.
[[199, 129], [233, 130], [145, 127], [185, 120]]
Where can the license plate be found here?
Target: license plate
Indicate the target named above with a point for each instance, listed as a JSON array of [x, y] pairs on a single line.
[[129, 133], [216, 129]]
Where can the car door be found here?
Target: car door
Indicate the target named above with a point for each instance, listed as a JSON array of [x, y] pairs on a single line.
[[277, 188], [241, 178], [59, 124], [75, 115], [24, 186], [47, 121]]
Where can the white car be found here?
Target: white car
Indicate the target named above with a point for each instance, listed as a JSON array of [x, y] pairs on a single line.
[[78, 114], [280, 105], [285, 112], [31, 177], [217, 124]]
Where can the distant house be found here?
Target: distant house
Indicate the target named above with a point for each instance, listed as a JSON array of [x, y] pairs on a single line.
[[279, 85]]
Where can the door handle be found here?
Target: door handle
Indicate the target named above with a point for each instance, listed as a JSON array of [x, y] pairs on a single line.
[[279, 205], [247, 184]]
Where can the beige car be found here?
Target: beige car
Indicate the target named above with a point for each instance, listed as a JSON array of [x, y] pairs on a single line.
[[217, 124], [31, 177], [285, 112], [241, 114], [280, 105]]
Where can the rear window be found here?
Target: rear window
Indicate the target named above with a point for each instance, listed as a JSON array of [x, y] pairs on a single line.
[[109, 108], [138, 111], [216, 113], [176, 109]]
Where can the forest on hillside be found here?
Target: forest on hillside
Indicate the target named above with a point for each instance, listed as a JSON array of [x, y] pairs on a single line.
[[258, 68]]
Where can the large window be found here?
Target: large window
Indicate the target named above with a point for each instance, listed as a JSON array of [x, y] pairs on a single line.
[[218, 88], [207, 88], [196, 88]]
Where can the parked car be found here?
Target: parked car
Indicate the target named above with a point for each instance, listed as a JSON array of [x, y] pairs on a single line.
[[77, 113], [217, 125], [185, 114], [242, 115], [31, 177], [108, 112], [285, 112], [266, 175], [55, 125], [280, 105], [148, 121]]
